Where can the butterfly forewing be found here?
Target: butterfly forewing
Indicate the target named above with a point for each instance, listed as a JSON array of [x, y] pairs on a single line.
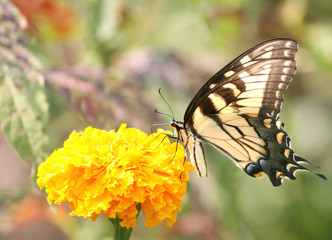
[[237, 110], [269, 66]]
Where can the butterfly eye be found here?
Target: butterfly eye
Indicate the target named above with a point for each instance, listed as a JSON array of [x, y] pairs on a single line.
[[253, 170]]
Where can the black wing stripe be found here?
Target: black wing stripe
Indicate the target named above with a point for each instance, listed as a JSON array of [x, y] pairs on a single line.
[[246, 138], [208, 107], [255, 149]]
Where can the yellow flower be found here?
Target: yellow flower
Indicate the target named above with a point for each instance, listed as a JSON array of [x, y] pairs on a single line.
[[112, 172]]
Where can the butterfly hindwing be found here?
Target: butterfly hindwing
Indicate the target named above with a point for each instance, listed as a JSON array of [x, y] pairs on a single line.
[[233, 136]]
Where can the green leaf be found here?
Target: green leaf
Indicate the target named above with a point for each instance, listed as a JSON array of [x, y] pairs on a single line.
[[23, 105]]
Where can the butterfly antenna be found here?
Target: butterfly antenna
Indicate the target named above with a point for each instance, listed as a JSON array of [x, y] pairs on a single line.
[[166, 103], [156, 111]]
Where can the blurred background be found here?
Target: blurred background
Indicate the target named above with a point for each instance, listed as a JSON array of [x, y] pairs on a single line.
[[100, 63]]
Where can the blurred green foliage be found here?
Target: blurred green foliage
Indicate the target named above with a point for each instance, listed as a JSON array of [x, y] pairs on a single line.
[[23, 102], [104, 61]]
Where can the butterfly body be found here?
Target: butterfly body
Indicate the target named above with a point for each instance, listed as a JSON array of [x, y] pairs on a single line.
[[237, 110]]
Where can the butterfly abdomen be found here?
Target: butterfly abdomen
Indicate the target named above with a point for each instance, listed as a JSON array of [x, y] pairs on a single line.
[[280, 159]]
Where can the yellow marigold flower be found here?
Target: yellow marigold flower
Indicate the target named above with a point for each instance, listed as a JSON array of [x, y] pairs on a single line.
[[112, 172]]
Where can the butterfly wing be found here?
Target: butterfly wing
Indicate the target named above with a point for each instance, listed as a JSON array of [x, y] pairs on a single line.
[[262, 68], [237, 110]]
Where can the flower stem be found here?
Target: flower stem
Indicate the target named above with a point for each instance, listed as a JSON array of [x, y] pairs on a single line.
[[120, 233]]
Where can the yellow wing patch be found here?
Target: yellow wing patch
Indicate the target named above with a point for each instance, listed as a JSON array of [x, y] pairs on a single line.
[[280, 136], [267, 122], [217, 101]]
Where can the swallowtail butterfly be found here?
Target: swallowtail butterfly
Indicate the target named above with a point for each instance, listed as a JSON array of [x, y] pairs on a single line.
[[237, 111]]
